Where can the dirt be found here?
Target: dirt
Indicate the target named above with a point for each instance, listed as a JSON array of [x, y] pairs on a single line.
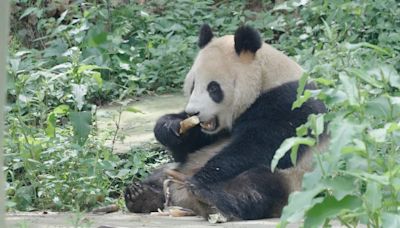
[[119, 220], [136, 129]]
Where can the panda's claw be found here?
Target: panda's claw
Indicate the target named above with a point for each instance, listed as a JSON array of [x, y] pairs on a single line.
[[133, 191]]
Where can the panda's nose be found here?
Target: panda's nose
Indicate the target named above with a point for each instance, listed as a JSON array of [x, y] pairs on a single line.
[[191, 110], [193, 113]]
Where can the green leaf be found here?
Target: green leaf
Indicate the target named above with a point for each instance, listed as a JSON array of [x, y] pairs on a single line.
[[365, 77], [122, 173], [31, 10], [381, 179], [330, 208], [390, 220], [286, 145], [342, 133], [350, 88], [79, 92], [83, 68], [300, 101], [302, 84], [51, 125], [324, 81], [317, 124], [81, 122], [373, 196], [378, 49], [133, 109], [97, 76], [379, 108], [61, 109], [96, 39], [340, 186], [299, 203]]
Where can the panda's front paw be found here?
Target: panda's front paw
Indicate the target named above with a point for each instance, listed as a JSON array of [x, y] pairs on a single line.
[[166, 131]]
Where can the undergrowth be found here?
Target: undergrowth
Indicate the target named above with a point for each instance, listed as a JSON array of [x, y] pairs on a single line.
[[66, 60]]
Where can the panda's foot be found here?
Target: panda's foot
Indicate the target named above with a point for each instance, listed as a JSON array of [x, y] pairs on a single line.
[[141, 198], [133, 191], [132, 195], [202, 193]]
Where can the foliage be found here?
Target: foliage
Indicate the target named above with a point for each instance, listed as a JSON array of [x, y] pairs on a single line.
[[72, 58], [353, 62]]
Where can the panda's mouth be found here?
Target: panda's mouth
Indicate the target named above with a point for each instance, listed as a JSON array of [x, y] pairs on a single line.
[[210, 125]]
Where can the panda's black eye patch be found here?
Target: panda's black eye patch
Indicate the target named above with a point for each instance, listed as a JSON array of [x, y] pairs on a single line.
[[215, 91]]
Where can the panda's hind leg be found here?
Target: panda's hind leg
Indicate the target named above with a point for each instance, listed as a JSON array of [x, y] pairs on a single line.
[[146, 196], [255, 194]]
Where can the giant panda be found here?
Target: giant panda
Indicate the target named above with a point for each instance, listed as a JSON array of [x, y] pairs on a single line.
[[242, 90]]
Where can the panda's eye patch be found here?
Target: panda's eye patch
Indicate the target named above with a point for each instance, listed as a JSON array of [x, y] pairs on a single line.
[[215, 91]]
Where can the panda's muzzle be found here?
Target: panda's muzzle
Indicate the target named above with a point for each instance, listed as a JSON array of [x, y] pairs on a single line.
[[210, 125]]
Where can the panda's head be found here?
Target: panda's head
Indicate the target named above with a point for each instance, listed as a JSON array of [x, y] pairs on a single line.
[[225, 78]]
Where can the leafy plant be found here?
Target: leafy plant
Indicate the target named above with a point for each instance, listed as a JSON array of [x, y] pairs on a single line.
[[67, 59], [356, 178]]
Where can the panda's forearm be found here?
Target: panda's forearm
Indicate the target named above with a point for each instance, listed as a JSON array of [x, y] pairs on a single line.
[[253, 146], [167, 133], [227, 165]]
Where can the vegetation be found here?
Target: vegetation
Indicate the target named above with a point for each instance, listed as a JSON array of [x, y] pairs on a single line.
[[73, 57]]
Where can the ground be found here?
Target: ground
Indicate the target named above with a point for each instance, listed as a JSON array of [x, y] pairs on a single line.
[[136, 128], [119, 220]]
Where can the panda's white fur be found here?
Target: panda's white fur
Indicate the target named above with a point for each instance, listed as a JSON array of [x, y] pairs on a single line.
[[243, 78]]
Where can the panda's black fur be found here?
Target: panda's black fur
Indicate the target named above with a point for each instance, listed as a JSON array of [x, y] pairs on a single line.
[[237, 180]]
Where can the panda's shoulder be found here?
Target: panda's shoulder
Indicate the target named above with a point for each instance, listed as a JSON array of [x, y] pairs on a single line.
[[276, 104]]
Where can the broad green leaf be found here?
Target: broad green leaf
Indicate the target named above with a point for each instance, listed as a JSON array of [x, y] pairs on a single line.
[[32, 10], [97, 77], [300, 101], [373, 196], [122, 173], [324, 81], [378, 135], [327, 30], [379, 108], [302, 130], [350, 88], [367, 45], [342, 132], [79, 92], [302, 84], [287, 145], [62, 17], [376, 48], [61, 109], [330, 208], [96, 39], [83, 68], [51, 125], [366, 77], [340, 186], [390, 220], [81, 122], [317, 124], [381, 179], [299, 203]]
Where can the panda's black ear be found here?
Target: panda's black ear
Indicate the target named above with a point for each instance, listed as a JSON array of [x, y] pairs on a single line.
[[247, 39], [205, 35]]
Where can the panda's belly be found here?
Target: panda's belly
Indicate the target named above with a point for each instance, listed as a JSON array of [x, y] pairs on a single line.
[[199, 158]]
